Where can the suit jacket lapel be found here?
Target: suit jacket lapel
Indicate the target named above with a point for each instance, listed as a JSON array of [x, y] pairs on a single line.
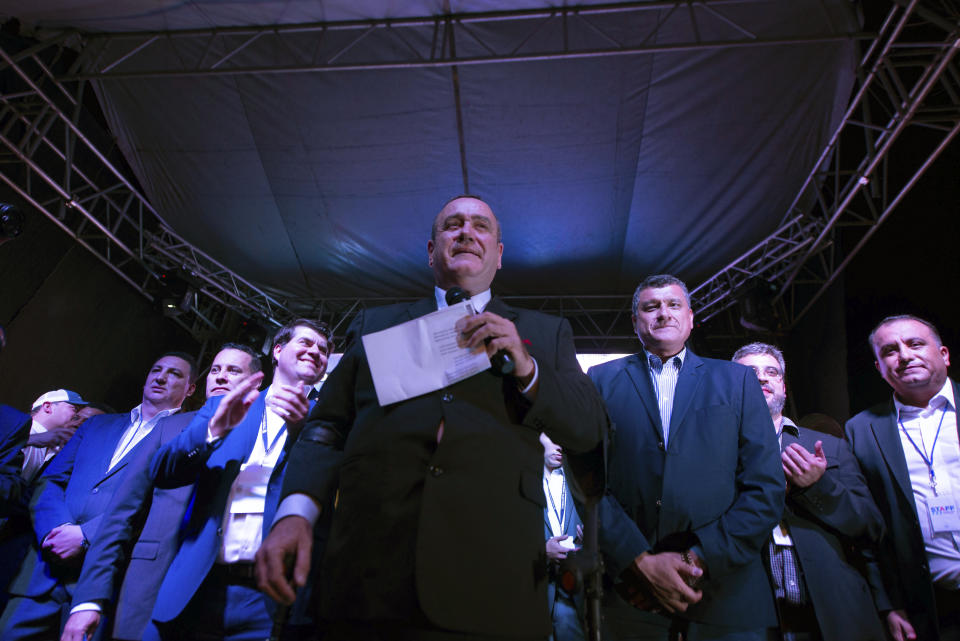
[[239, 443], [640, 375], [888, 440], [109, 440], [421, 307], [687, 384], [500, 308]]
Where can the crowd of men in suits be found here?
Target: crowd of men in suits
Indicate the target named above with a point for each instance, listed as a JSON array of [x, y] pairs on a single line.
[[455, 514]]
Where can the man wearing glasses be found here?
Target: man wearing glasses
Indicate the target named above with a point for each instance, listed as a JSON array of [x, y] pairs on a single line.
[[819, 595]]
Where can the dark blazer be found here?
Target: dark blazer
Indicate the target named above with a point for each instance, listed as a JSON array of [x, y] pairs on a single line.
[[834, 525], [187, 460], [137, 539], [906, 583], [14, 432], [428, 530], [76, 487], [718, 482], [15, 531]]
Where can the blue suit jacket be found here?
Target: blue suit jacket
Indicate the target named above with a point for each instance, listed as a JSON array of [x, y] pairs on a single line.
[[15, 533], [75, 488], [718, 482], [14, 431], [213, 467]]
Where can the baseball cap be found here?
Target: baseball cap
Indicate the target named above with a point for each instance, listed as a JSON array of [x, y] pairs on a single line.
[[59, 396]]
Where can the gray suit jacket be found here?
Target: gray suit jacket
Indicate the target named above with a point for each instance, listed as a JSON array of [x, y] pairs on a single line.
[[137, 539]]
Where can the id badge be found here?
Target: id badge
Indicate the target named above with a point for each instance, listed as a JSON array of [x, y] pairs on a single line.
[[943, 513]]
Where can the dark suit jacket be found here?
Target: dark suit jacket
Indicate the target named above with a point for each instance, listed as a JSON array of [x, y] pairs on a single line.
[[15, 530], [137, 539], [835, 526], [425, 533], [187, 460], [718, 482], [14, 432], [75, 488], [875, 439]]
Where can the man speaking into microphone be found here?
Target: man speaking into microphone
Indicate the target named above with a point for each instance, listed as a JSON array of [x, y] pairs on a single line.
[[438, 529]]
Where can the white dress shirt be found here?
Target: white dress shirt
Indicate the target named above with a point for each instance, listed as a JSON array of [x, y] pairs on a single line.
[[137, 431], [243, 518], [921, 425], [554, 487]]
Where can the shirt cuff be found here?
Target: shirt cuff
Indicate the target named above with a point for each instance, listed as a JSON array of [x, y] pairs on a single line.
[[533, 381], [298, 504], [88, 606]]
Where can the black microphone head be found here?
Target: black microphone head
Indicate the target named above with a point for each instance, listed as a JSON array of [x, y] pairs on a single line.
[[455, 295]]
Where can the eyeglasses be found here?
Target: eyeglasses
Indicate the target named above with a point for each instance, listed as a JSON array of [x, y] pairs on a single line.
[[767, 372]]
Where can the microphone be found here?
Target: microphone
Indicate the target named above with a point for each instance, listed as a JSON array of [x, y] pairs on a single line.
[[501, 362]]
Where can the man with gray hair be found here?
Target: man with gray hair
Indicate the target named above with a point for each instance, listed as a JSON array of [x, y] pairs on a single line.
[[819, 595], [694, 486]]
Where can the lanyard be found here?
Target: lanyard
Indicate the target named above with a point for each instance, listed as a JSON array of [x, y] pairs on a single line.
[[267, 446], [923, 455], [563, 499]]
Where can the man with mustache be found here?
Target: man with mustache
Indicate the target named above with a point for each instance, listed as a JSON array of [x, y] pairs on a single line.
[[909, 452], [438, 529], [236, 451], [694, 484], [138, 538], [72, 496], [829, 514]]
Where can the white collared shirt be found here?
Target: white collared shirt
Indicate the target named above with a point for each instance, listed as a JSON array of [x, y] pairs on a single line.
[[479, 301], [554, 486], [943, 548], [136, 432], [34, 457], [243, 518]]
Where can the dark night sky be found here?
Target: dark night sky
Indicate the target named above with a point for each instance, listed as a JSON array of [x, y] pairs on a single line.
[[911, 265]]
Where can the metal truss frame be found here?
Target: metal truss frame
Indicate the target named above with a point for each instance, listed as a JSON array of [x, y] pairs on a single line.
[[906, 106], [447, 40], [907, 91], [56, 157]]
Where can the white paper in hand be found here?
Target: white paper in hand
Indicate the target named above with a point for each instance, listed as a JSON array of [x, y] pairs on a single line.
[[421, 355]]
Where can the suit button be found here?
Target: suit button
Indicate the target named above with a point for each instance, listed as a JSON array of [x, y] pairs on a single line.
[[447, 397], [96, 490], [659, 502], [660, 445], [219, 531], [435, 470]]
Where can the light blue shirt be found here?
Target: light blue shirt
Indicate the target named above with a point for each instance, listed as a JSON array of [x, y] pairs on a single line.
[[664, 378]]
